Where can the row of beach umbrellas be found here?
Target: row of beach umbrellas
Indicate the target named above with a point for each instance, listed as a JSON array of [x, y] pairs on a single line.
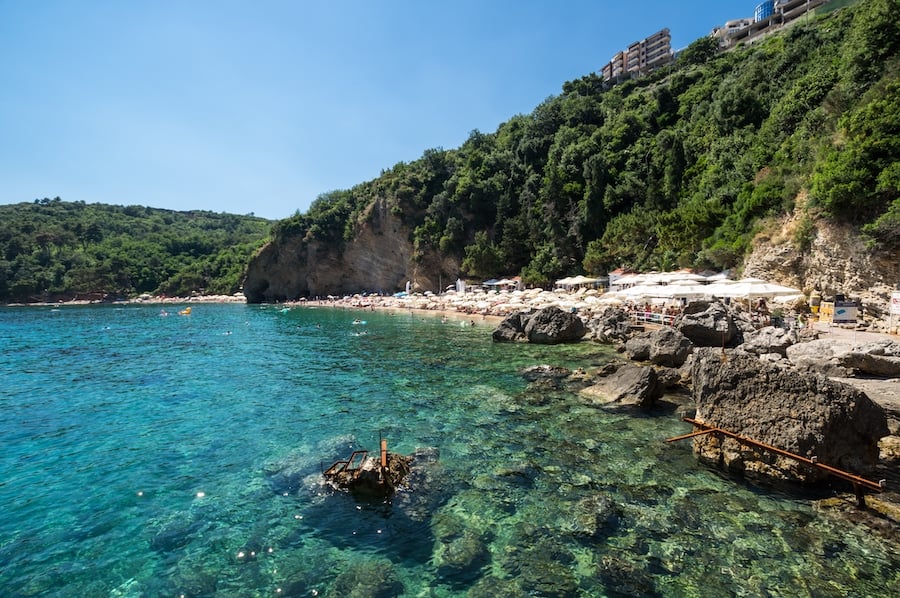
[[691, 286]]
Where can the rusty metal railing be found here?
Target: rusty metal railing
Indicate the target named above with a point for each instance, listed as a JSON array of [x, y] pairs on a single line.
[[859, 483]]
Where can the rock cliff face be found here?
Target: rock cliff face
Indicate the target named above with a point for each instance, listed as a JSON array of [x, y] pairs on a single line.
[[378, 259], [837, 262]]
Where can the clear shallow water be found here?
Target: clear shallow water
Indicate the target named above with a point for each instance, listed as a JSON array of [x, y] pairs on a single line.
[[166, 456]]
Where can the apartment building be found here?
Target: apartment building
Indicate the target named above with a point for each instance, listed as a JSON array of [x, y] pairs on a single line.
[[640, 57], [767, 16]]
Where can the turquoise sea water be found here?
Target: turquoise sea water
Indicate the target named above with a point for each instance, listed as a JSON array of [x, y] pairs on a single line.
[[181, 456]]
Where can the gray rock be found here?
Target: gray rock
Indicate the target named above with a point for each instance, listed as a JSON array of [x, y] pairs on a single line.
[[769, 339], [665, 346], [630, 385], [551, 326], [611, 326], [803, 413], [879, 358], [535, 373], [637, 348], [711, 324], [842, 358], [511, 329], [824, 356], [547, 326]]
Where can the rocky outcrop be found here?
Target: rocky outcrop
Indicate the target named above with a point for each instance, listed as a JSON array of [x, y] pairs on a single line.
[[370, 479], [628, 386], [665, 346], [511, 329], [611, 326], [379, 258], [805, 414], [875, 359], [711, 324], [823, 356], [840, 358], [837, 261], [547, 326], [769, 339]]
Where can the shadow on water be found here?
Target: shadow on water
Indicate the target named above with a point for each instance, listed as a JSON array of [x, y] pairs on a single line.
[[365, 525]]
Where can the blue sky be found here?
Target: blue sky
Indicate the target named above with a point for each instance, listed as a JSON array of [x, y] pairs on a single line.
[[261, 106]]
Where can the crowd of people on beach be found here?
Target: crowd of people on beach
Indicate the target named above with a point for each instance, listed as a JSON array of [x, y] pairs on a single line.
[[585, 304]]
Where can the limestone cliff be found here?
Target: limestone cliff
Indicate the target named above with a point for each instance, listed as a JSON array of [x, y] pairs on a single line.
[[836, 262], [379, 258]]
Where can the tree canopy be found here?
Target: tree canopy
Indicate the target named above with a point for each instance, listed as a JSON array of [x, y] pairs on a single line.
[[55, 249]]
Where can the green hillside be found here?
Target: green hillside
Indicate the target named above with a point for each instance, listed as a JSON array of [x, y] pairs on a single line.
[[51, 250], [683, 167]]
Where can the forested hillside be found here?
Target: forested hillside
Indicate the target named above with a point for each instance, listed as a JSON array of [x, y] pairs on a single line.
[[681, 168], [51, 249]]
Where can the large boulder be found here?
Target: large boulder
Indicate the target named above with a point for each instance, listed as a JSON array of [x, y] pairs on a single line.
[[710, 324], [822, 356], [511, 329], [611, 326], [665, 346], [879, 358], [769, 339], [842, 358], [547, 326], [551, 326], [803, 413], [629, 386]]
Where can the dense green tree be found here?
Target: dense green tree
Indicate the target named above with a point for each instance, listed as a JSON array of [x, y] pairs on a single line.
[[52, 248]]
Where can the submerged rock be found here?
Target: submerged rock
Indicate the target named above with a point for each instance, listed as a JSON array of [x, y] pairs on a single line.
[[537, 373], [375, 578], [287, 474], [369, 478]]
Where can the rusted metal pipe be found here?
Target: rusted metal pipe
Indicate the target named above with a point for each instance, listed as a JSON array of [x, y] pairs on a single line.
[[856, 480]]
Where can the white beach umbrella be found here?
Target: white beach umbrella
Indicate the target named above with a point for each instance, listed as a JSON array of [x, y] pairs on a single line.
[[641, 291], [751, 287], [629, 280]]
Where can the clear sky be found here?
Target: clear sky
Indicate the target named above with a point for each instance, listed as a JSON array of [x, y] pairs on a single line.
[[262, 105]]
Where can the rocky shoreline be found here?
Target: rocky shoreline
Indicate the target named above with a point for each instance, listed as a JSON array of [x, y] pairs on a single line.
[[829, 397]]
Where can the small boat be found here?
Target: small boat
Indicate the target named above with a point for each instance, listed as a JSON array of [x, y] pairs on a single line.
[[185, 312], [357, 322]]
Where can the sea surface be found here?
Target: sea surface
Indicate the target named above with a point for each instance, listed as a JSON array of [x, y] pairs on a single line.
[[150, 455]]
